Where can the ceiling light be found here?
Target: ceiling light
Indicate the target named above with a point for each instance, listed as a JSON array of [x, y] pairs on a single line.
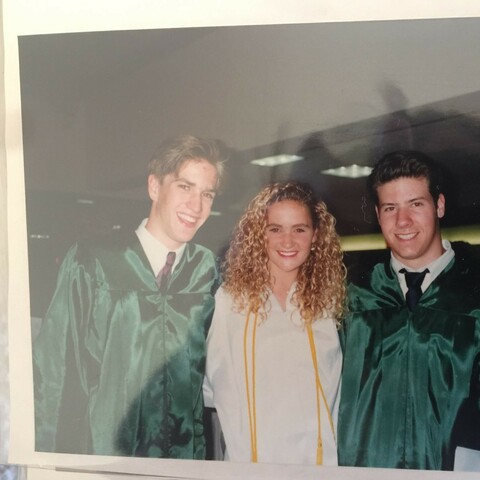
[[276, 160], [39, 236], [351, 171]]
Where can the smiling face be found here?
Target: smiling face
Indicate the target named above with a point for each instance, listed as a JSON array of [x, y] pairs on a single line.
[[181, 202], [409, 220], [289, 237]]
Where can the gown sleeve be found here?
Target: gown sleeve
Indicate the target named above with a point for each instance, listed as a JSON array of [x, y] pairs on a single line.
[[215, 338], [61, 361]]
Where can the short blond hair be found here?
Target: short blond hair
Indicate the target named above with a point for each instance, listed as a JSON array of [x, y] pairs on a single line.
[[174, 152]]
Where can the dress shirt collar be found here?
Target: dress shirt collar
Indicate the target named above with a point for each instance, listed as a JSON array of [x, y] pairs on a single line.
[[434, 268], [155, 251]]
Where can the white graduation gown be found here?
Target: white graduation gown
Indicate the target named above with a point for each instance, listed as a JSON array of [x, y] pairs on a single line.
[[285, 383]]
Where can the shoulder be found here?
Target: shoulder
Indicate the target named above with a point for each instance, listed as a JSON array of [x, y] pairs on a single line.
[[201, 260], [467, 260], [101, 245], [199, 256], [326, 323], [94, 254], [361, 264], [369, 280], [198, 268], [199, 253], [375, 289], [369, 267], [460, 281], [223, 299], [225, 311], [223, 315]]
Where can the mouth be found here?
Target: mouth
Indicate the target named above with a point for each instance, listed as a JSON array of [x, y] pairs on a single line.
[[406, 236], [288, 254], [187, 220]]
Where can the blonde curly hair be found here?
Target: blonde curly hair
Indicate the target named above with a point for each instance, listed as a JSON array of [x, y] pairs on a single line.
[[320, 289]]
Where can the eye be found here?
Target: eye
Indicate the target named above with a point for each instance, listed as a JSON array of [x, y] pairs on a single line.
[[300, 230], [417, 204], [388, 209], [273, 229], [208, 195], [184, 186]]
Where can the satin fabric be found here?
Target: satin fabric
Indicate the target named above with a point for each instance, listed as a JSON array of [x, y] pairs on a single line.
[[407, 374], [118, 365]]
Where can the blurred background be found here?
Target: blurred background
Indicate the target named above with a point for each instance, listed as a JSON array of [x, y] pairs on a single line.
[[313, 102]]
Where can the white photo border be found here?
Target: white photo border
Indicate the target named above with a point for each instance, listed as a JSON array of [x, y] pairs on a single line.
[[24, 17]]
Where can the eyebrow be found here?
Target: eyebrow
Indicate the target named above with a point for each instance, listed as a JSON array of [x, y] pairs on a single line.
[[305, 225], [193, 184], [412, 200], [417, 199]]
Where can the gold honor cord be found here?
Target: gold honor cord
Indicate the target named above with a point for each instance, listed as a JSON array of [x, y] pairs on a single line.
[[319, 391], [251, 403], [252, 413]]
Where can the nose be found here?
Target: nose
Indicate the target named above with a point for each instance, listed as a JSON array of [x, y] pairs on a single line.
[[403, 217], [194, 202], [287, 239]]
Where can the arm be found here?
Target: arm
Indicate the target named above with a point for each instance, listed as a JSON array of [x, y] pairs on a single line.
[[214, 434], [60, 379]]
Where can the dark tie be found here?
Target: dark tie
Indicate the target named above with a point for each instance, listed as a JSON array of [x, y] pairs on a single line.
[[165, 272], [414, 283]]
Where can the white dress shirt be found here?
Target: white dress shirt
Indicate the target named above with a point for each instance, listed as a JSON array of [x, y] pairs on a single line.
[[155, 251], [435, 268]]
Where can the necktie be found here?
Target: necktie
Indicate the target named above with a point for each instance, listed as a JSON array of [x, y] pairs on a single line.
[[165, 272], [414, 283]]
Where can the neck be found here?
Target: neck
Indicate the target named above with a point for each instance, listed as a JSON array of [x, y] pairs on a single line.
[[160, 236], [425, 260], [280, 288]]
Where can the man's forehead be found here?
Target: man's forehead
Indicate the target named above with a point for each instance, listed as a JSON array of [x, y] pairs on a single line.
[[188, 163], [193, 175], [404, 188], [404, 183]]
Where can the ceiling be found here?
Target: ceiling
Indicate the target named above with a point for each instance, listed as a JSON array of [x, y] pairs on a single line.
[[95, 105]]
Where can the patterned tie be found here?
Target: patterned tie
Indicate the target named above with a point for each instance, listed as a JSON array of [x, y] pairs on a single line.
[[414, 283], [165, 272]]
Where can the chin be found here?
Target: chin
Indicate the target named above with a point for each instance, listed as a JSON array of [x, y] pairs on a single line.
[[186, 236]]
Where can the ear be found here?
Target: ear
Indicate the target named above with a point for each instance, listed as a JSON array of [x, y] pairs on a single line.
[[153, 187], [441, 206], [376, 212]]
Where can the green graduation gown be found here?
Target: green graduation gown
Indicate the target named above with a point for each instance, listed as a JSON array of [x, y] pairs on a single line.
[[119, 365], [407, 375]]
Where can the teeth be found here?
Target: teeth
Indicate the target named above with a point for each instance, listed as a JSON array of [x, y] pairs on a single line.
[[406, 236], [187, 218], [288, 254]]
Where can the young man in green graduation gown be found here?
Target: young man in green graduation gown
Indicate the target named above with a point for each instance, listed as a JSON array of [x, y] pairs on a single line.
[[411, 377], [119, 360]]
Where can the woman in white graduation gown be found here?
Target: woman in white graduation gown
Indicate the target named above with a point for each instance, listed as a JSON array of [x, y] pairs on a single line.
[[273, 353]]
